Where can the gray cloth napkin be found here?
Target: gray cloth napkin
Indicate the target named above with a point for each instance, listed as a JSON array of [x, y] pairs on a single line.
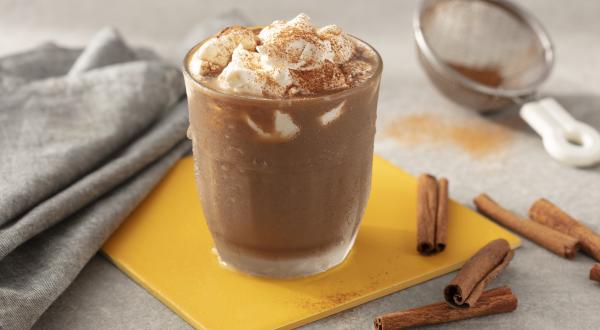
[[84, 136]]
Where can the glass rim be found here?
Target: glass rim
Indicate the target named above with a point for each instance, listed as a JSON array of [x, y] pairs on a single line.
[[376, 75]]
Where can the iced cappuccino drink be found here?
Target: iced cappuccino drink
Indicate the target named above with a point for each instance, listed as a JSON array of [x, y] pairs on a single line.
[[282, 120]]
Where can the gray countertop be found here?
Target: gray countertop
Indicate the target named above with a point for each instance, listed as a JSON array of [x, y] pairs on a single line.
[[496, 154]]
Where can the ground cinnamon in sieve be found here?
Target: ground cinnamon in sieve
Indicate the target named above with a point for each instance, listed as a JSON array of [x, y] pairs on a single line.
[[489, 76]]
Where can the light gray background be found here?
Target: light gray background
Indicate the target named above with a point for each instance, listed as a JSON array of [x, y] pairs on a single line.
[[553, 293]]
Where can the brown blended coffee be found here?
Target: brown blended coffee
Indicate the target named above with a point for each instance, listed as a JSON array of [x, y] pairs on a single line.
[[283, 171]]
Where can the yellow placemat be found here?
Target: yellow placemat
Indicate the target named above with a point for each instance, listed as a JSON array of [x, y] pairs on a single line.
[[165, 246]]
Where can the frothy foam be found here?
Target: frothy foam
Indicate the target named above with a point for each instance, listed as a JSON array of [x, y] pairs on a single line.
[[284, 58]]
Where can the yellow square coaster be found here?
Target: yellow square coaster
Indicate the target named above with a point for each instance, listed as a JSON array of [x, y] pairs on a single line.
[[165, 246]]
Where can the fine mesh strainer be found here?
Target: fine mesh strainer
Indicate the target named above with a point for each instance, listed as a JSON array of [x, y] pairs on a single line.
[[491, 54]]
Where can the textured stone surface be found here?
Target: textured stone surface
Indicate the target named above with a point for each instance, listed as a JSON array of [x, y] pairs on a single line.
[[553, 293]]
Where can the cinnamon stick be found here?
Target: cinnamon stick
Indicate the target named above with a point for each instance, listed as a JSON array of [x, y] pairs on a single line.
[[548, 214], [550, 239], [595, 273], [441, 224], [432, 214], [468, 285], [494, 301]]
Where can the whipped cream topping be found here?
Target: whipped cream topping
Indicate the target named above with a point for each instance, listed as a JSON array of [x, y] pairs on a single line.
[[284, 58], [216, 52]]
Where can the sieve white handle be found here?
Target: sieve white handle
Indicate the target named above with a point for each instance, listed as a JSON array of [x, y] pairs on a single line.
[[565, 139]]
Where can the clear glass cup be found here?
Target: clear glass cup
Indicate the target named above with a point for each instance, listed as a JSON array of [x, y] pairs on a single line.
[[283, 182]]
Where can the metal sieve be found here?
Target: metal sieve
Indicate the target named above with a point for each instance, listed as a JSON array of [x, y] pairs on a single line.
[[491, 54]]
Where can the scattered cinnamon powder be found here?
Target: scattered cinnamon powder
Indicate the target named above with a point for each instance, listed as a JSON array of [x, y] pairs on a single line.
[[476, 137], [320, 303], [329, 301]]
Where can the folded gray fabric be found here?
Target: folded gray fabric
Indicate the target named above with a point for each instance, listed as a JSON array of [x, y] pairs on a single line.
[[84, 136]]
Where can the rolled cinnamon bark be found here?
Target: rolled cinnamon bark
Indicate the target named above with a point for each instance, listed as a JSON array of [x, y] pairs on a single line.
[[548, 214], [432, 214], [468, 285], [595, 273], [494, 301], [441, 224], [550, 239]]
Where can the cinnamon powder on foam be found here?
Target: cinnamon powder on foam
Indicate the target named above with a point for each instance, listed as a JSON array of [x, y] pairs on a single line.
[[310, 77], [326, 77], [476, 137]]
